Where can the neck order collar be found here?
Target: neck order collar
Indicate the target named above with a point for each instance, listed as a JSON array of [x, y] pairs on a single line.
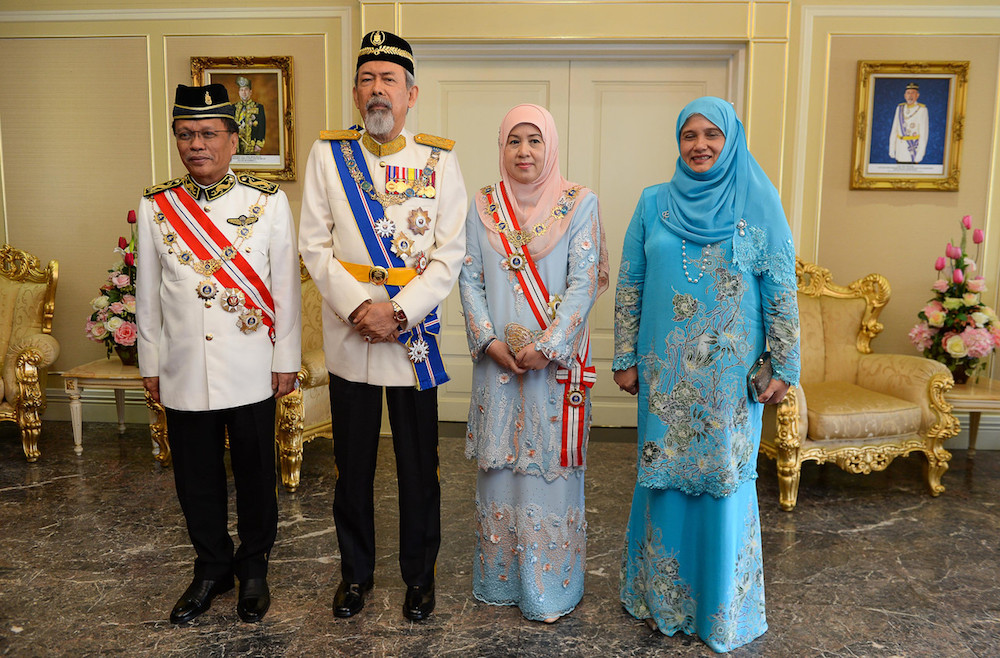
[[382, 150], [211, 192]]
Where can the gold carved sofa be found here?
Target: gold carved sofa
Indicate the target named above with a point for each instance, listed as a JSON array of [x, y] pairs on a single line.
[[27, 302], [855, 408], [304, 414]]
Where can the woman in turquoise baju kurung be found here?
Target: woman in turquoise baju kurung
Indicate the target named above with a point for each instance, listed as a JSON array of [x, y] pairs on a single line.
[[707, 281], [531, 529]]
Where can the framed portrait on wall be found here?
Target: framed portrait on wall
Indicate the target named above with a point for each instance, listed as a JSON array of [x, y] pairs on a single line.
[[908, 125], [261, 90]]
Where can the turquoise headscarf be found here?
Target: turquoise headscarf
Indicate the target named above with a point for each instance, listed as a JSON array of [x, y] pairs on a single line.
[[705, 207]]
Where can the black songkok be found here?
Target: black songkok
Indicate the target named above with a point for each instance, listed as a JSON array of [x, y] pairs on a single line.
[[208, 102], [385, 47]]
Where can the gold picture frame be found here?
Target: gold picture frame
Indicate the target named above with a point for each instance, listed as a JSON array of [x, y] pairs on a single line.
[[266, 144], [908, 125]]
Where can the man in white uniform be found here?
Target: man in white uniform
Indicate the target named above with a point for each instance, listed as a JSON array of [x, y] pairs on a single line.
[[218, 307], [382, 234], [910, 128]]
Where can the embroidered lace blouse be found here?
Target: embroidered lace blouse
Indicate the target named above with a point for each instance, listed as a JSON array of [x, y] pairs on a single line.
[[516, 421], [694, 332]]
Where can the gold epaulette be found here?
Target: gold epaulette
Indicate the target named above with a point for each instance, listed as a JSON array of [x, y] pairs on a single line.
[[267, 187], [339, 135], [430, 140], [162, 187]]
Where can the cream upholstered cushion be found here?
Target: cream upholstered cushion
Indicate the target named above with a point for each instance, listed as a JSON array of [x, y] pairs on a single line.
[[314, 365], [838, 410], [9, 294], [812, 346], [21, 307], [312, 318]]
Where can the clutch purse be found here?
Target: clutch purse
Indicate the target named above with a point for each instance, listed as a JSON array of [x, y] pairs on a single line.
[[759, 376], [517, 337]]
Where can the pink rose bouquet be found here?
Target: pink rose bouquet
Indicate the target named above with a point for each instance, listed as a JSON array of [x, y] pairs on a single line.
[[955, 327], [113, 319]]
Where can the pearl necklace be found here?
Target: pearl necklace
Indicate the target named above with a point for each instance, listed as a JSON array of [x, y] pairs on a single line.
[[684, 263]]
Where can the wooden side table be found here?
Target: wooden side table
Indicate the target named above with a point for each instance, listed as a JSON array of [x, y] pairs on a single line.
[[975, 398], [110, 373]]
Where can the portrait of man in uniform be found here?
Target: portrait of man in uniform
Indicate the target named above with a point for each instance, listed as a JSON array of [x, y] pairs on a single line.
[[262, 93], [255, 97], [251, 119], [910, 128]]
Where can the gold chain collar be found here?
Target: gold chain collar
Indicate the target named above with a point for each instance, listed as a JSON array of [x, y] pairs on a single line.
[[210, 266]]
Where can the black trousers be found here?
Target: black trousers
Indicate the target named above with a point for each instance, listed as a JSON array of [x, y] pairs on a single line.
[[197, 441], [357, 418]]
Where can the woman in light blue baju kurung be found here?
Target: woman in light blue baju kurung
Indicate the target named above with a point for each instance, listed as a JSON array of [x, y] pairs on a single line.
[[707, 281], [531, 529]]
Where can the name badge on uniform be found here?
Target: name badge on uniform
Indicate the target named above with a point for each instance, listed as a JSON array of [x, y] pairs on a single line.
[[411, 182]]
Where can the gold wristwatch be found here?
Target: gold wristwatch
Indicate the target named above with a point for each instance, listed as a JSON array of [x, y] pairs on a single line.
[[397, 314]]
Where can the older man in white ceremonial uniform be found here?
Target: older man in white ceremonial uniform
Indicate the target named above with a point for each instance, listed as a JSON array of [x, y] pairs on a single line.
[[910, 128], [218, 307], [382, 234]]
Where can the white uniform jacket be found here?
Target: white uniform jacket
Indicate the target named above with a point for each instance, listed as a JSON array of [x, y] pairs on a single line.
[[328, 235], [197, 349], [913, 130]]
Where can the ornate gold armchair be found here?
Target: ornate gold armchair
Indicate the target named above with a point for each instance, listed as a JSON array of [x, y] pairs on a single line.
[[304, 414], [857, 409], [27, 302]]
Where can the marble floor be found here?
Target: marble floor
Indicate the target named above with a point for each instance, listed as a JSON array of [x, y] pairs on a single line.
[[93, 553]]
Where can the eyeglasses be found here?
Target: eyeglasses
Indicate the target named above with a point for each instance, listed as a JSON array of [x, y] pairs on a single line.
[[206, 135]]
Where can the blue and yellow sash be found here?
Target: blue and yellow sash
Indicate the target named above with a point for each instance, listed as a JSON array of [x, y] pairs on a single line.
[[420, 340]]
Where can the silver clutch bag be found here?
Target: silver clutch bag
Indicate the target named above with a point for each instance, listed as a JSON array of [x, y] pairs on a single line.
[[760, 376]]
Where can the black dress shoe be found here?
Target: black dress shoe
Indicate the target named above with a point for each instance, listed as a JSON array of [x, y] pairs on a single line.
[[197, 598], [254, 599], [350, 598], [419, 602]]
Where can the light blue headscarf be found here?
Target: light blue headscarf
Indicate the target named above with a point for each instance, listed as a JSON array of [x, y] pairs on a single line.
[[704, 207], [733, 200]]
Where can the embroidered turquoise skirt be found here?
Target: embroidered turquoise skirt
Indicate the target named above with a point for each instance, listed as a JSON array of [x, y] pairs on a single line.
[[693, 564]]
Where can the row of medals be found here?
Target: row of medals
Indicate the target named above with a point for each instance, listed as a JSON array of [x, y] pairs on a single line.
[[410, 188], [249, 319]]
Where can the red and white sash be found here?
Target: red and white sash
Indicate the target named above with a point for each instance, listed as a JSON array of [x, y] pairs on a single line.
[[576, 379], [207, 242]]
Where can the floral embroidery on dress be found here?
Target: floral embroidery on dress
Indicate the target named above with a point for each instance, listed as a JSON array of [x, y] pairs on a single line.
[[657, 589], [627, 299], [523, 417], [701, 404], [783, 334], [510, 537], [743, 619]]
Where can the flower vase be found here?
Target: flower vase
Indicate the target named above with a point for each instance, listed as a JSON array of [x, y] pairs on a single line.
[[129, 354], [960, 374]]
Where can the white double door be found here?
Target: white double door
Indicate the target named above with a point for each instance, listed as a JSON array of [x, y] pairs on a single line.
[[616, 121]]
